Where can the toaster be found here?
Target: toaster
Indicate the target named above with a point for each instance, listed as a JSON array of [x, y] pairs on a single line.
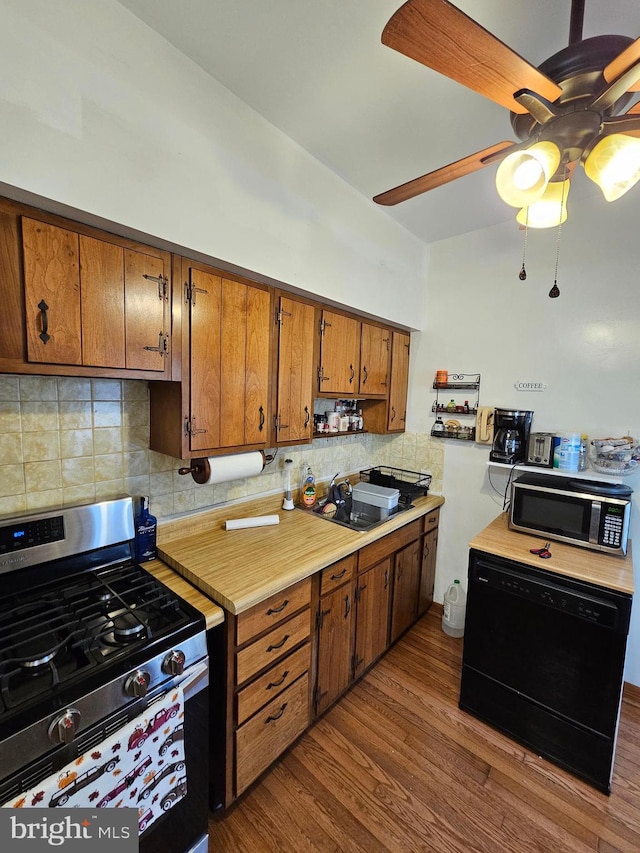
[[540, 449]]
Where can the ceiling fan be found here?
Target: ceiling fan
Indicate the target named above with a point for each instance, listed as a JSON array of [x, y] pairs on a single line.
[[566, 111]]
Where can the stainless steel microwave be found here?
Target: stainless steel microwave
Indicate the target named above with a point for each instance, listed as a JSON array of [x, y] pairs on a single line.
[[588, 513]]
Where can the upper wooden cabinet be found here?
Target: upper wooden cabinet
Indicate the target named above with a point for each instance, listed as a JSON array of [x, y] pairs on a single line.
[[339, 368], [91, 302], [375, 347], [397, 414], [80, 301], [294, 383], [221, 400]]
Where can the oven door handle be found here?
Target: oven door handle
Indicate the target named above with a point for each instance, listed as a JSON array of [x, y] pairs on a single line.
[[195, 679]]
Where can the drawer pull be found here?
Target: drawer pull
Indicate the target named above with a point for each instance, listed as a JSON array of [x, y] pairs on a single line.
[[279, 645], [431, 521], [339, 575], [274, 717], [277, 683], [273, 610]]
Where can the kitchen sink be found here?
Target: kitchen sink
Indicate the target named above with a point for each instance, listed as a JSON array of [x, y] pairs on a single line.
[[357, 521]]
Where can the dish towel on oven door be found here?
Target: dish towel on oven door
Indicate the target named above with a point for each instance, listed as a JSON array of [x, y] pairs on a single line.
[[142, 765]]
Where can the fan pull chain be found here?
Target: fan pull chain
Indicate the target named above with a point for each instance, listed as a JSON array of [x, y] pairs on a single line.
[[522, 275], [555, 290]]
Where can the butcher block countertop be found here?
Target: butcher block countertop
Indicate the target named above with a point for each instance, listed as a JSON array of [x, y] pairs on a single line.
[[594, 567], [240, 568]]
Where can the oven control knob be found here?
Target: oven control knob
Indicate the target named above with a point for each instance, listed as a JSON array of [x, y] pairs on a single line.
[[137, 684], [64, 727], [173, 664]]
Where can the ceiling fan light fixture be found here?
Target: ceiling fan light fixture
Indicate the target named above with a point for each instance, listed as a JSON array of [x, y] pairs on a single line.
[[614, 164], [550, 210], [523, 176]]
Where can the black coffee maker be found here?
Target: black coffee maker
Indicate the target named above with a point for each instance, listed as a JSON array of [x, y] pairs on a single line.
[[510, 436]]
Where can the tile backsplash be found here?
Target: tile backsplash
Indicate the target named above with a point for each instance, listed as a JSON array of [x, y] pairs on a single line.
[[67, 440]]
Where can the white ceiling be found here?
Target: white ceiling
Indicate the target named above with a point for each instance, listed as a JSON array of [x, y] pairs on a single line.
[[318, 71]]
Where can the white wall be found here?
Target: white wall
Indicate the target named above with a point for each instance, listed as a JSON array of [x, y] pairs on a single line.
[[585, 345], [101, 114]]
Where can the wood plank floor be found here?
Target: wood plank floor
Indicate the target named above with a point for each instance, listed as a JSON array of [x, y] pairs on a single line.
[[396, 766]]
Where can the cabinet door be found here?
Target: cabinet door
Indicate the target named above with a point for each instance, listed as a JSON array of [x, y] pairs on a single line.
[[244, 368], [204, 370], [373, 589], [374, 359], [339, 354], [428, 574], [335, 629], [294, 420], [397, 413], [102, 303], [52, 293], [146, 311], [406, 587]]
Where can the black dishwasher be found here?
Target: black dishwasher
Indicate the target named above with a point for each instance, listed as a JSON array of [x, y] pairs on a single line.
[[543, 662]]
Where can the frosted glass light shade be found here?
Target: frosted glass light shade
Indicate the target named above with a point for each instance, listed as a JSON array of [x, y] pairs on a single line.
[[522, 177], [550, 210], [614, 164]]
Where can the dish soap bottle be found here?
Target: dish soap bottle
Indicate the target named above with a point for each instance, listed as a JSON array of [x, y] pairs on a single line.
[[308, 489], [146, 527], [451, 406]]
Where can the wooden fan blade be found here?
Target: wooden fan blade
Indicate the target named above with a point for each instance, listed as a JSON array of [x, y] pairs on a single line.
[[447, 173], [623, 61], [440, 36]]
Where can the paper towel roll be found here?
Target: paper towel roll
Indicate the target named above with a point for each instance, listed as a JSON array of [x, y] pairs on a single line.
[[222, 469], [253, 521]]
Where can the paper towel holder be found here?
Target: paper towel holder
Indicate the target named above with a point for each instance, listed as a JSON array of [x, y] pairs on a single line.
[[200, 469]]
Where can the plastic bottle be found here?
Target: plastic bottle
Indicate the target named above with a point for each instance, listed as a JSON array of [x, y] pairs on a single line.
[[451, 406], [582, 457], [146, 526], [308, 492], [455, 602]]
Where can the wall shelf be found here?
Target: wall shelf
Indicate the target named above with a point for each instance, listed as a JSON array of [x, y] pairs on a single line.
[[588, 474], [457, 383]]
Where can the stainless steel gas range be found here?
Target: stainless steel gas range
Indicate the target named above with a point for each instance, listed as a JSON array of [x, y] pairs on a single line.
[[101, 667]]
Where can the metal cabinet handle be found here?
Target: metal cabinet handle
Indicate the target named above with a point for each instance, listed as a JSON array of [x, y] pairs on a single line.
[[277, 683], [307, 416], [393, 413], [274, 717], [366, 374], [261, 424], [279, 645], [347, 606], [353, 373], [44, 334], [339, 575], [273, 610]]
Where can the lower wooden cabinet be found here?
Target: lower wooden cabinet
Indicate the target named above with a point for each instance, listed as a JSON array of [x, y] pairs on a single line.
[[269, 732], [373, 598], [406, 586], [292, 656], [268, 663]]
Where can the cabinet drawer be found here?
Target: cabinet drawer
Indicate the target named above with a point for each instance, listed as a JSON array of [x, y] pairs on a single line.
[[273, 683], [274, 645], [431, 520], [372, 554], [336, 574], [261, 740], [280, 606]]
